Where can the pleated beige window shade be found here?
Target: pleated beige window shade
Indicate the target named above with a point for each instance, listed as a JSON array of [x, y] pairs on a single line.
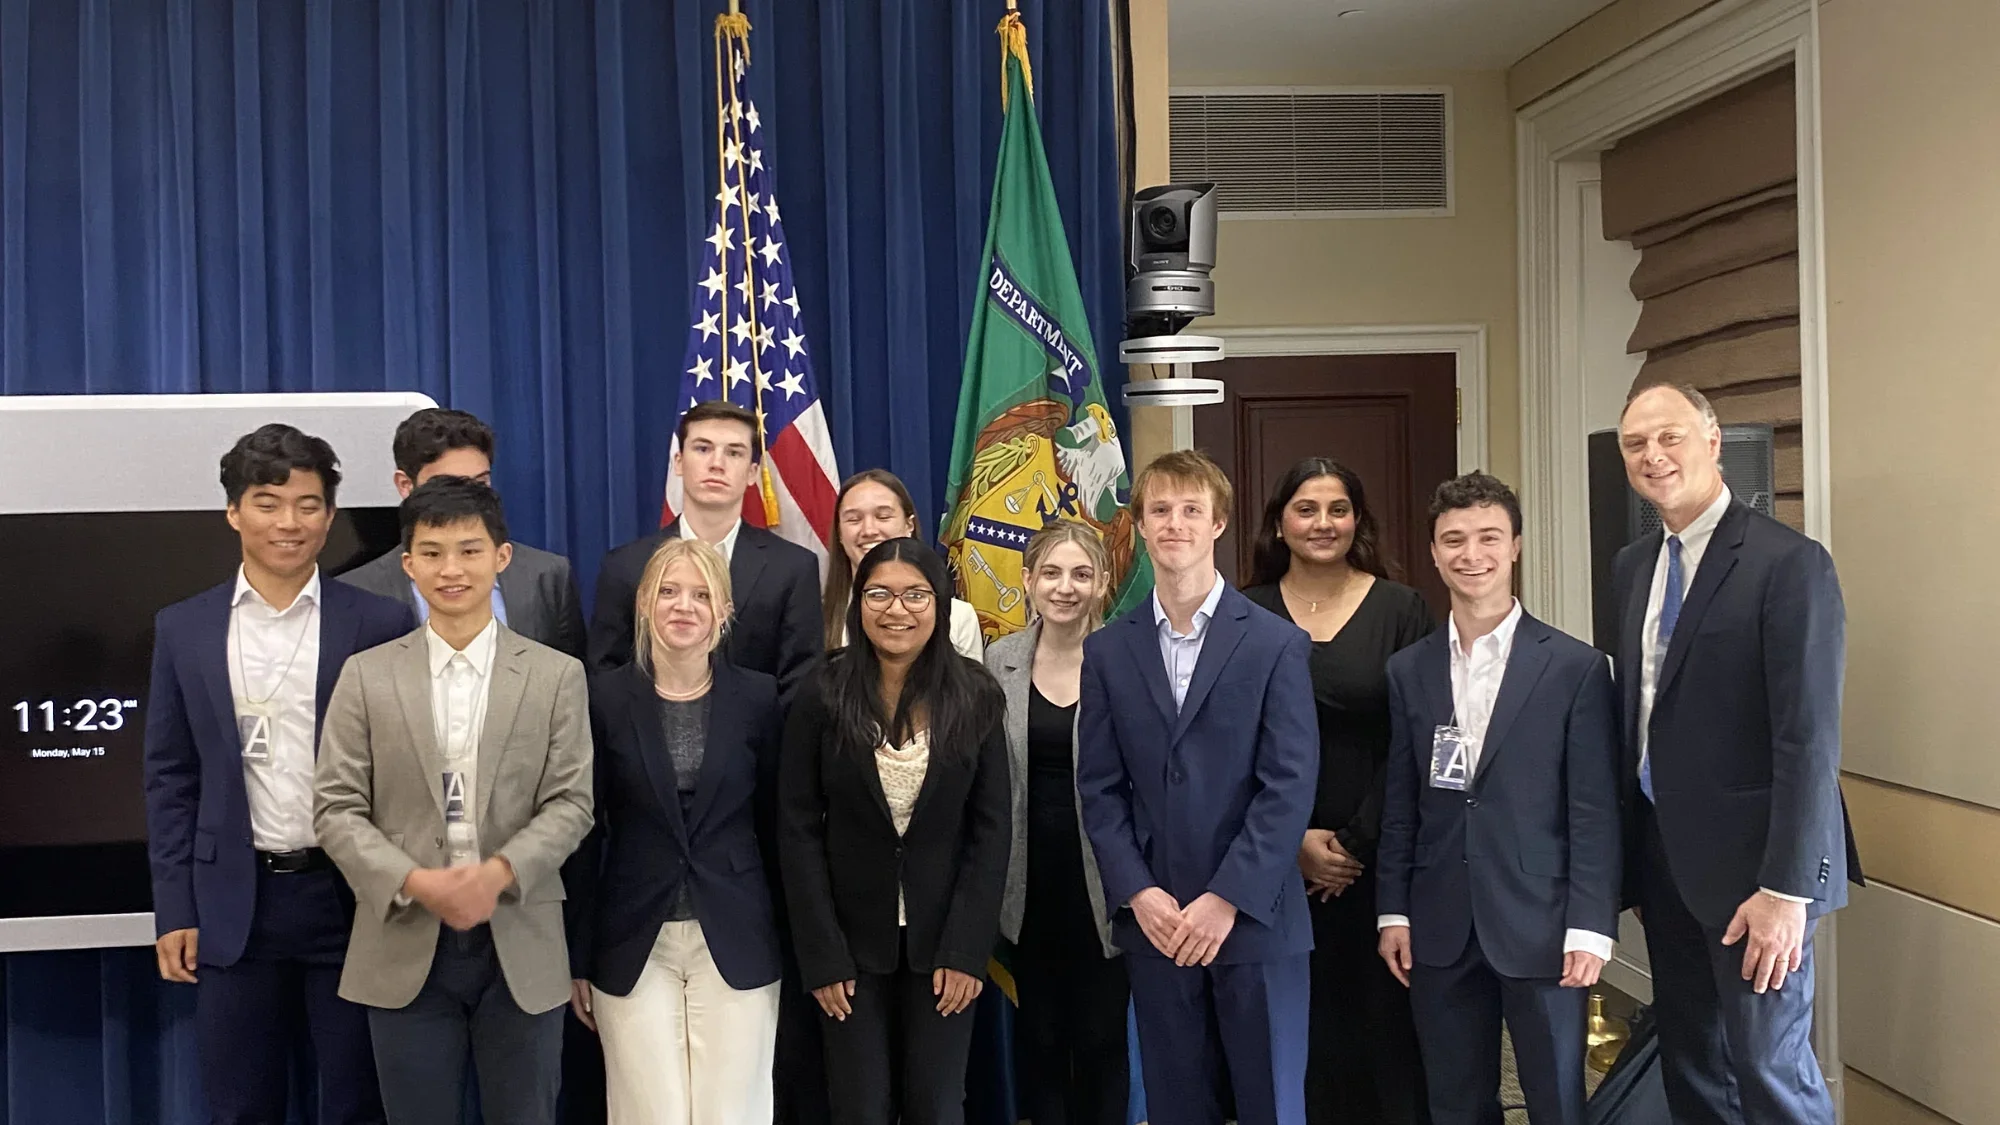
[[1710, 199]]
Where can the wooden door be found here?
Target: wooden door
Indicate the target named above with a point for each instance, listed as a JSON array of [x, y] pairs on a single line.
[[1393, 419]]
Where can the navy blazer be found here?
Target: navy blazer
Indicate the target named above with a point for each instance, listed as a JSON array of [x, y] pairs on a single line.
[[1531, 848], [197, 808], [1745, 739], [624, 880], [1214, 797]]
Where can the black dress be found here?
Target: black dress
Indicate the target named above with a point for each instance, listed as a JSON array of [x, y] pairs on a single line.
[[1362, 1065], [1069, 1037]]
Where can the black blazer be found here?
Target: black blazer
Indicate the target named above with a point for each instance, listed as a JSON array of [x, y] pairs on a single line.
[[843, 859], [625, 878], [1530, 848], [776, 629], [1745, 740]]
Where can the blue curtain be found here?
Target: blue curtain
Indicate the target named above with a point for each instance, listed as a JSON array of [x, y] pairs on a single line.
[[494, 202]]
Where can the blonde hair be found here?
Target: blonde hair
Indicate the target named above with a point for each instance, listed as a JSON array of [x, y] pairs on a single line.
[[707, 562], [1185, 467], [1090, 542]]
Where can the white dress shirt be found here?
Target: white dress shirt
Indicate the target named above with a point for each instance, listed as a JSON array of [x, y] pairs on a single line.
[[1653, 655], [273, 659], [1475, 680], [726, 548], [459, 688], [1180, 652], [1475, 687]]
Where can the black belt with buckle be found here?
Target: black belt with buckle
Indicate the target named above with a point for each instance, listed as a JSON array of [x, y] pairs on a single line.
[[294, 862]]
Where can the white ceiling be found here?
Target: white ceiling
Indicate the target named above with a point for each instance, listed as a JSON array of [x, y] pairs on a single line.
[[1237, 41]]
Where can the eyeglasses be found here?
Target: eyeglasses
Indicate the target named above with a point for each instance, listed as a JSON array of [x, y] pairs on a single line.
[[915, 600]]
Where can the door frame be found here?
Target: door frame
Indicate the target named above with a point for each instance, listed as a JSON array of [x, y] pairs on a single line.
[[1466, 343], [1718, 47]]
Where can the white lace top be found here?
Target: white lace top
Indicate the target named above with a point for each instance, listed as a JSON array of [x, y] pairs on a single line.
[[902, 770]]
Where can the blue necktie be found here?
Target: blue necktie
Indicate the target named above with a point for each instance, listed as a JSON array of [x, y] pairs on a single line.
[[1670, 615]]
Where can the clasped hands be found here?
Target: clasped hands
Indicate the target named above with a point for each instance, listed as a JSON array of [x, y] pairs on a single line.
[[1192, 935], [461, 897], [1329, 868]]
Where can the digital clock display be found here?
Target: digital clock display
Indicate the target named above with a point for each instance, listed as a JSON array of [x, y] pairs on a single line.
[[85, 716], [76, 653]]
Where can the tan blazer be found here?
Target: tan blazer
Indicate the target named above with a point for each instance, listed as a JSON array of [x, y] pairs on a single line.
[[379, 802]]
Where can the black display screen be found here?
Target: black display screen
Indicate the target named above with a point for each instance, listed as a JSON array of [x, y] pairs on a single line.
[[76, 642]]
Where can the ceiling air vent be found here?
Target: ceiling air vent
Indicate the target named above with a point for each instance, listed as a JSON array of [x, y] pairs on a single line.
[[1317, 153]]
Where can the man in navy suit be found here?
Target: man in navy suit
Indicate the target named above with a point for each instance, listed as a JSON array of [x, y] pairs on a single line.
[[1730, 655], [1499, 862], [245, 901], [1198, 763]]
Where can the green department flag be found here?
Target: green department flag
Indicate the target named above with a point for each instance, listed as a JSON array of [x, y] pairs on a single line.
[[1034, 443]]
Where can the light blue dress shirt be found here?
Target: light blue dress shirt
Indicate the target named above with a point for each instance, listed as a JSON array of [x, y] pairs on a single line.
[[1181, 652]]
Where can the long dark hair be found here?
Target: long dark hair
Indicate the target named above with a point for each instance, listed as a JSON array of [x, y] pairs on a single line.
[[840, 583], [1273, 558], [959, 695]]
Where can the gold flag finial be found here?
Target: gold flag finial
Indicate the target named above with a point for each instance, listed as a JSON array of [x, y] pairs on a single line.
[[1014, 41]]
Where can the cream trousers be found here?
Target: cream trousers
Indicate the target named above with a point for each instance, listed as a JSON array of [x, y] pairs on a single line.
[[685, 1048]]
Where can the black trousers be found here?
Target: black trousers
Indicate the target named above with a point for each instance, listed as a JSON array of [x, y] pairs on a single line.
[[1364, 1067], [798, 1065], [250, 1016], [1069, 1036], [894, 1058], [1461, 1007], [466, 1009], [1727, 1055], [582, 1074]]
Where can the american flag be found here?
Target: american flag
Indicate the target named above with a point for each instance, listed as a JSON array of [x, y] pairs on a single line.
[[746, 343]]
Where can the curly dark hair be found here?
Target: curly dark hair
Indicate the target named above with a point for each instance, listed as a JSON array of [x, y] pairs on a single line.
[[267, 456], [1474, 490], [432, 432]]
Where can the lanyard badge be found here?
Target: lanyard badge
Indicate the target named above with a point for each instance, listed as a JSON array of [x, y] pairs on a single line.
[[457, 826], [1450, 767], [253, 732]]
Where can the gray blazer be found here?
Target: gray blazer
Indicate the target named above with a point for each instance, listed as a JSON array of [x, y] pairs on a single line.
[[1011, 660], [379, 805], [537, 588]]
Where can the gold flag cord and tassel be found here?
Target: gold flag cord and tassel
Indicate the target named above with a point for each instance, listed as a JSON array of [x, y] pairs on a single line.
[[1014, 42], [732, 32]]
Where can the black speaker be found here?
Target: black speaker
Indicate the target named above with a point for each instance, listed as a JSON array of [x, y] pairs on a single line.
[[1618, 516]]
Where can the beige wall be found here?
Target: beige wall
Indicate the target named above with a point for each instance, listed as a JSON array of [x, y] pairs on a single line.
[[1611, 29], [1910, 99], [1320, 273], [1152, 427]]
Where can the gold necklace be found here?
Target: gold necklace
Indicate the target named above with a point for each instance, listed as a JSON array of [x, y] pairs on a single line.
[[1311, 605], [695, 692]]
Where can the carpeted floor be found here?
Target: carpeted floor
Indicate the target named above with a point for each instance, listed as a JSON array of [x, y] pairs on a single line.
[[1617, 1004]]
